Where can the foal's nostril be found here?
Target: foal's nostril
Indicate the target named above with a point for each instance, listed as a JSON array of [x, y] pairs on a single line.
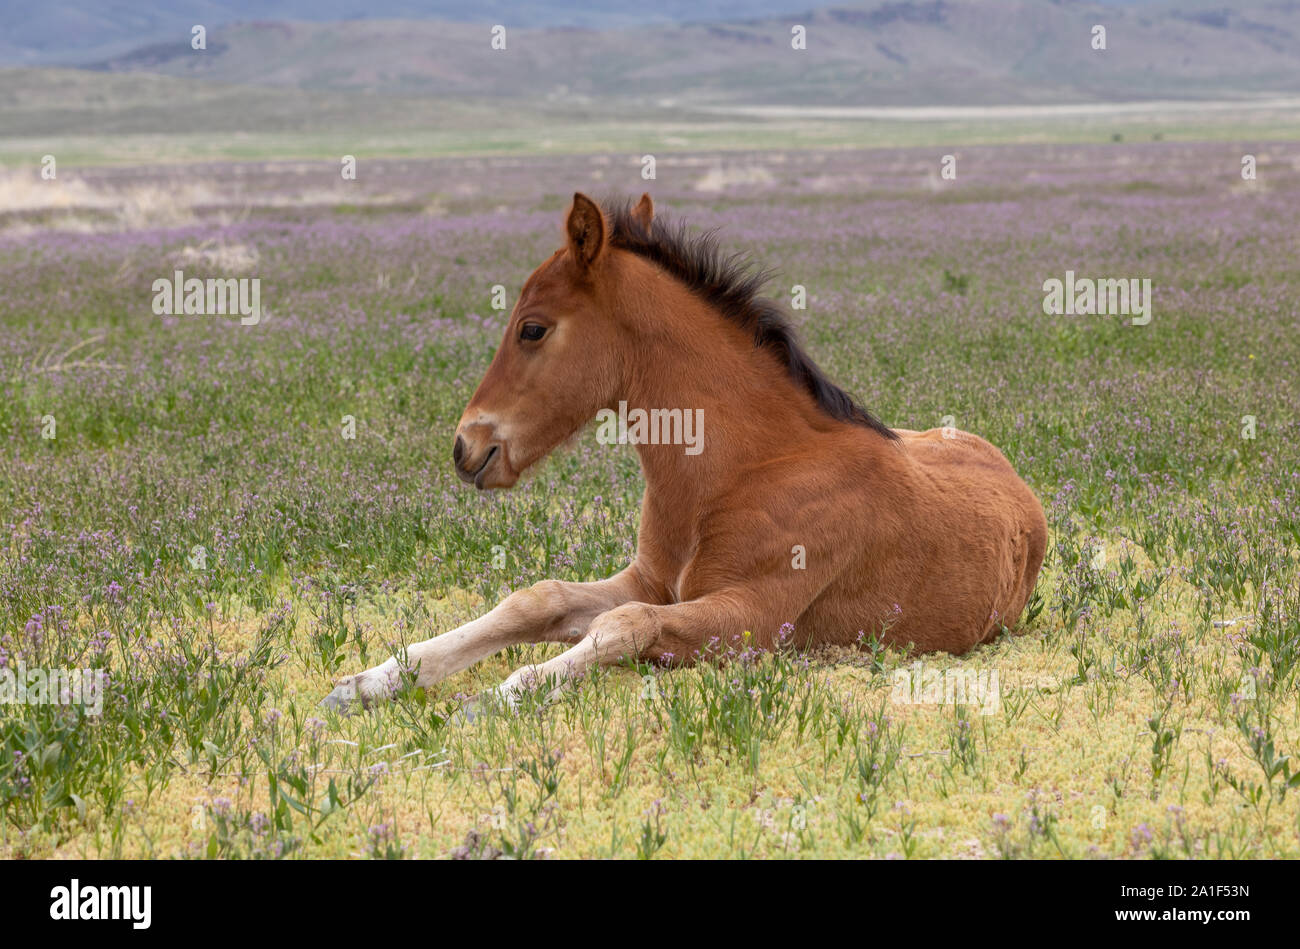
[[458, 452]]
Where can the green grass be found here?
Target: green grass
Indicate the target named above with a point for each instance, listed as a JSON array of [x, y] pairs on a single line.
[[89, 119], [1147, 709]]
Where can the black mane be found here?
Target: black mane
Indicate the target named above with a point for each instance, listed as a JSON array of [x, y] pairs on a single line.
[[732, 286]]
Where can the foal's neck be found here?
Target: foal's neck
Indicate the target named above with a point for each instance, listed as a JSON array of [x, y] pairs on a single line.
[[752, 411]]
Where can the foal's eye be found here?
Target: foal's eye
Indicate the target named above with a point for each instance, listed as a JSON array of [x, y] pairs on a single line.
[[532, 331]]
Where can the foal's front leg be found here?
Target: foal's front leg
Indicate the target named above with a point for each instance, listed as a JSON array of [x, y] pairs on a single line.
[[552, 610], [636, 630]]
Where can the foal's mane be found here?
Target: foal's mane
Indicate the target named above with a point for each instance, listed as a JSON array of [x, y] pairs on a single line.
[[732, 285]]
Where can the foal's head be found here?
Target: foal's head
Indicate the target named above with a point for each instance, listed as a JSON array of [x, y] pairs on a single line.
[[559, 363], [572, 343]]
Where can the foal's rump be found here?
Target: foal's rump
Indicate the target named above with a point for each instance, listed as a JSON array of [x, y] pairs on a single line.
[[988, 537]]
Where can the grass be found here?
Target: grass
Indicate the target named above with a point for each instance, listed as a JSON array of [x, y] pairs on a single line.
[[199, 528], [92, 118]]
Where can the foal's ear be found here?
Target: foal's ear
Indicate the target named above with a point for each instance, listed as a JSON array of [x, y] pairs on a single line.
[[586, 228], [644, 212]]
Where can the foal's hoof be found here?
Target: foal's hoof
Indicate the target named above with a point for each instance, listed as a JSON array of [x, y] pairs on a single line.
[[473, 710], [481, 706], [344, 699]]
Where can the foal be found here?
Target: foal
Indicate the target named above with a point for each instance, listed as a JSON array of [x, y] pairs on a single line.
[[799, 506]]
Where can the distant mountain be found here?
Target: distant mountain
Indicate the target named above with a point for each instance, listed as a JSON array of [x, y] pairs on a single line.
[[70, 32], [897, 52]]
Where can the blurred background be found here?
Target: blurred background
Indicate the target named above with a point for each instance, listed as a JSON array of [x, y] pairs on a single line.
[[121, 81]]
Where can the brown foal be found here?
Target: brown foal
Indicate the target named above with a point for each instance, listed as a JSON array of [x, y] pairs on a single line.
[[797, 507]]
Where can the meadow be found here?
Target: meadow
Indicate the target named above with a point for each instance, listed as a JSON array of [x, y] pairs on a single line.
[[187, 509]]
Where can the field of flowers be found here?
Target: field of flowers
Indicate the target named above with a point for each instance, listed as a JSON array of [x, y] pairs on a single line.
[[184, 510]]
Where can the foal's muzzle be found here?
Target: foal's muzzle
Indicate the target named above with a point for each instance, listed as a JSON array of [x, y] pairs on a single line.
[[476, 458]]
